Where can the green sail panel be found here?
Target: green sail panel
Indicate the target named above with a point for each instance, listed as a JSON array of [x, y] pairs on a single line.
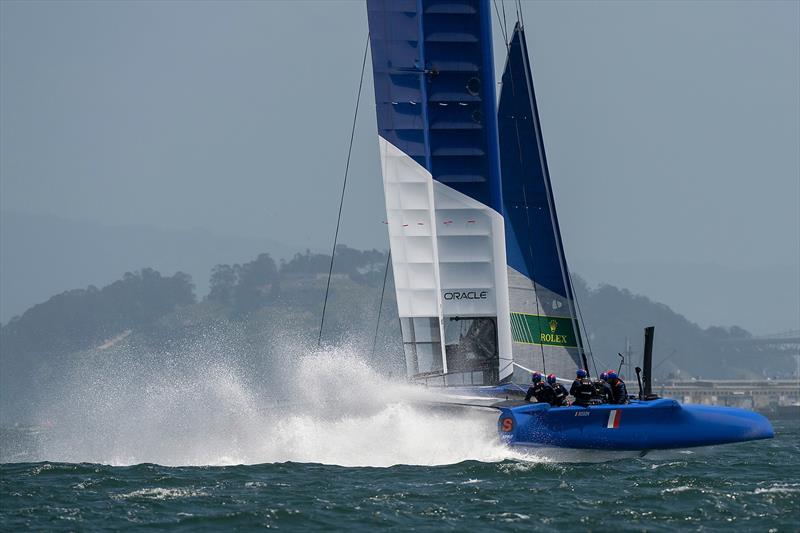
[[543, 330]]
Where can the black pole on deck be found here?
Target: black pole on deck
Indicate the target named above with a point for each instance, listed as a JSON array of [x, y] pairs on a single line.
[[647, 361], [639, 379]]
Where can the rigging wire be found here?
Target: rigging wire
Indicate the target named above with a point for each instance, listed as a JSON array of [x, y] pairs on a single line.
[[583, 324], [380, 305], [503, 25], [505, 20], [344, 189]]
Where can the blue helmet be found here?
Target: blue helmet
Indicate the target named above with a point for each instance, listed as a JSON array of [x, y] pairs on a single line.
[[537, 377], [581, 373], [604, 376], [612, 375], [551, 379]]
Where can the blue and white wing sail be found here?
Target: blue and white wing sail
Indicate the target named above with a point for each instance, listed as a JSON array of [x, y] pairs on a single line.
[[437, 125]]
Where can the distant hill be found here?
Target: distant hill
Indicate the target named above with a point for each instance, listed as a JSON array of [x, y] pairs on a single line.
[[42, 255], [763, 299], [614, 316]]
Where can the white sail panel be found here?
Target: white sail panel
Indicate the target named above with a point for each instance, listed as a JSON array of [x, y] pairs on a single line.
[[471, 243], [410, 216], [448, 258]]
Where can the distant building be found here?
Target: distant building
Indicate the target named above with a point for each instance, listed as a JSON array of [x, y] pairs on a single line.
[[762, 395]]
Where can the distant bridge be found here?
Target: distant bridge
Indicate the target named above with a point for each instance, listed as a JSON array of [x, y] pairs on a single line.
[[780, 344]]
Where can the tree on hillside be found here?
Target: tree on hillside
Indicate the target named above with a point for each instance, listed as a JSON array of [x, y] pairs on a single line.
[[223, 282], [365, 266], [733, 332], [307, 263], [361, 266], [255, 283]]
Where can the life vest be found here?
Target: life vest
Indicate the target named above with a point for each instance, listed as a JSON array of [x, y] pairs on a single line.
[[543, 392], [560, 395], [583, 390], [620, 392], [603, 391]]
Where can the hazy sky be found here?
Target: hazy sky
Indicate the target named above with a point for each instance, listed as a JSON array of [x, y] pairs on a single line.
[[672, 130]]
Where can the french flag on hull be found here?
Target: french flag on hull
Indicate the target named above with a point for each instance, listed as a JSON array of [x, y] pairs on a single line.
[[613, 419]]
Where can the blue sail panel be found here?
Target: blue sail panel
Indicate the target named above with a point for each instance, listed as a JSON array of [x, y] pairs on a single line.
[[534, 249], [435, 92], [544, 318]]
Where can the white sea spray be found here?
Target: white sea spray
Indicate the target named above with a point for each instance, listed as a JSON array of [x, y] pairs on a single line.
[[204, 405]]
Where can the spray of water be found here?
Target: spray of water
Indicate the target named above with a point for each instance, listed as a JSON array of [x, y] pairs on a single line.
[[202, 406]]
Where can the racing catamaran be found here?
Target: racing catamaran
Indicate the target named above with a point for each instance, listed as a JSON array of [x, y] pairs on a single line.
[[483, 289]]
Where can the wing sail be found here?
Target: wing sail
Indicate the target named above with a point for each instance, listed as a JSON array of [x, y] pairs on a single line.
[[437, 126]]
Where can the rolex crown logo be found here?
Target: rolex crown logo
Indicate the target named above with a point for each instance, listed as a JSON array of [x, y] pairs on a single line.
[[553, 326]]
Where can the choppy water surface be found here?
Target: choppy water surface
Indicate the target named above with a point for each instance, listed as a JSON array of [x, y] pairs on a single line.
[[754, 486], [362, 457]]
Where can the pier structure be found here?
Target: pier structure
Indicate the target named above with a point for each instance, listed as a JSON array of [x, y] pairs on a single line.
[[761, 395]]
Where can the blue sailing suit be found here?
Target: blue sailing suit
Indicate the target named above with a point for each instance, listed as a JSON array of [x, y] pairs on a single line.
[[583, 390], [542, 391], [559, 395], [619, 392], [603, 390]]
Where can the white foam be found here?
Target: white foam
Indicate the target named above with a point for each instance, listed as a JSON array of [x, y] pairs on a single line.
[[780, 488], [159, 493], [328, 407], [682, 488]]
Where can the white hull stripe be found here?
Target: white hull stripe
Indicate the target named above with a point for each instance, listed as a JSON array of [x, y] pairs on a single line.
[[613, 419]]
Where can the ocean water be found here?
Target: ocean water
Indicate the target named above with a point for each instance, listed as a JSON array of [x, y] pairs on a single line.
[[203, 448]]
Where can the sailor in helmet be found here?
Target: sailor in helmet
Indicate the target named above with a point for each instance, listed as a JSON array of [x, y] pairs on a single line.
[[582, 389], [559, 391], [541, 390], [603, 389], [619, 391]]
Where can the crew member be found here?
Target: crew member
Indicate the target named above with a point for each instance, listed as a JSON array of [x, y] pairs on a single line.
[[603, 389], [559, 392], [582, 389], [619, 393], [540, 390]]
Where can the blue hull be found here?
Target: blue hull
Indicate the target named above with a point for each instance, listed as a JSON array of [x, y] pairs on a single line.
[[653, 425]]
